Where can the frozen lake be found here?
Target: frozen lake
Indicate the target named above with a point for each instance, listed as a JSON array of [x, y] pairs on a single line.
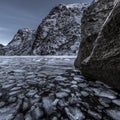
[[50, 88]]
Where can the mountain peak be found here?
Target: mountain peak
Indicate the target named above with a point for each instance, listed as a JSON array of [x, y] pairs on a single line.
[[58, 34], [60, 30]]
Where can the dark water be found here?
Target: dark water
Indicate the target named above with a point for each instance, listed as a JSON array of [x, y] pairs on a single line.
[[50, 88]]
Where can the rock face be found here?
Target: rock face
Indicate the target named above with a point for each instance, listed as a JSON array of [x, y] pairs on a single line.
[[59, 33], [21, 43], [93, 18], [1, 49], [1, 46], [104, 61]]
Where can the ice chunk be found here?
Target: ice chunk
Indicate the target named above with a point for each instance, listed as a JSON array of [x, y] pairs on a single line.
[[115, 114], [95, 115], [47, 104], [61, 94], [104, 93], [74, 113], [117, 102]]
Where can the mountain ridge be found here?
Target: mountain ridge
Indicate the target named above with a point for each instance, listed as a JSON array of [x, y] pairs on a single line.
[[57, 34]]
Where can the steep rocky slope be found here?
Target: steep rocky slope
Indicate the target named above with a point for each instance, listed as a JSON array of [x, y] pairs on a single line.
[[1, 46], [59, 33], [104, 60], [22, 43], [93, 18], [2, 49]]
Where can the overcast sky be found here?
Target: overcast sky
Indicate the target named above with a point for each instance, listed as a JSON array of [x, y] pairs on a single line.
[[16, 14]]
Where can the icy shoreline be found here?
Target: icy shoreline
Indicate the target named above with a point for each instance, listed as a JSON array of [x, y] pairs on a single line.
[[38, 56]]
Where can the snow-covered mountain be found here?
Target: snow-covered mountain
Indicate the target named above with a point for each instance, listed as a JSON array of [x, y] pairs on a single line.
[[22, 43], [58, 34]]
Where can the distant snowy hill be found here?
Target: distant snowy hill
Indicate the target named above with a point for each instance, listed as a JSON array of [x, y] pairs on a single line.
[[58, 34]]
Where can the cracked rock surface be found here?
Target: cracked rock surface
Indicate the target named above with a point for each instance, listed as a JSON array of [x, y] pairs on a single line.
[[50, 88]]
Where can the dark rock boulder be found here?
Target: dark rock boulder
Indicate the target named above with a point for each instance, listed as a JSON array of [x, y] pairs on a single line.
[[93, 18], [104, 60], [22, 43], [60, 32]]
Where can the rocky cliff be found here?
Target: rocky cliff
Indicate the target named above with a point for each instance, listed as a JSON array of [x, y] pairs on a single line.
[[22, 43], [60, 32], [93, 18], [104, 60], [2, 49], [1, 46]]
